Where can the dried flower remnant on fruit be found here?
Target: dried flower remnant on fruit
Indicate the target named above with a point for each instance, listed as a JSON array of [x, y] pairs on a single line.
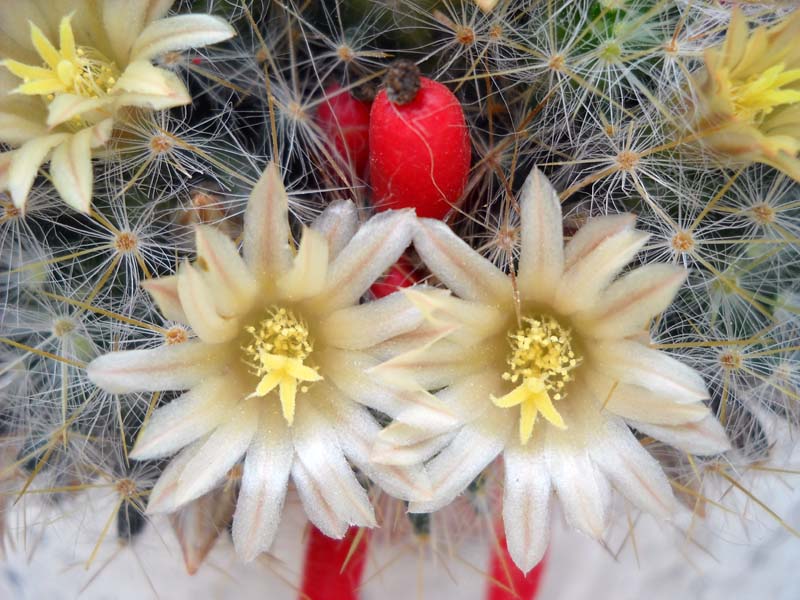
[[402, 81]]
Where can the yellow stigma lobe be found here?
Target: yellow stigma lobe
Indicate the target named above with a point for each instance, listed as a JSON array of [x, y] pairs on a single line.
[[279, 347], [541, 360]]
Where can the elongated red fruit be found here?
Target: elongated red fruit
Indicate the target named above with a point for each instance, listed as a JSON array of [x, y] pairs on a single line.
[[506, 581], [344, 121], [419, 149], [333, 569]]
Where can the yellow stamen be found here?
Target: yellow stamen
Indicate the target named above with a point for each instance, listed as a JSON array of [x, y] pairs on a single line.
[[277, 354], [541, 361]]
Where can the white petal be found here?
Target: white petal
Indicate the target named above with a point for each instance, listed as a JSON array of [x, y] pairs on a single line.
[[266, 226], [124, 20], [338, 223], [633, 471], [232, 286], [186, 419], [582, 489], [264, 482], [526, 504], [472, 449], [364, 325], [25, 163], [593, 234], [162, 496], [164, 291], [16, 129], [177, 367], [71, 170], [635, 363], [319, 451], [585, 279], [358, 431], [459, 267], [395, 450], [704, 438], [218, 454], [627, 306], [377, 246], [474, 321], [319, 512], [147, 86], [435, 367], [346, 370], [179, 33], [636, 403], [199, 305], [306, 278], [67, 106], [541, 260]]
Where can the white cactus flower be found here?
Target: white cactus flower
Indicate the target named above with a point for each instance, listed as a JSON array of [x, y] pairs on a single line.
[[550, 368], [278, 374]]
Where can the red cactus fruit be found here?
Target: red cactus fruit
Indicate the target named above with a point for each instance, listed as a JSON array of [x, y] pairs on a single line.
[[400, 275], [344, 121], [419, 149]]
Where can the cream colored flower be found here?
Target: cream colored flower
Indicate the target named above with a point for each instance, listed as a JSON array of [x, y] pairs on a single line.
[[748, 95], [551, 368], [278, 373], [70, 68]]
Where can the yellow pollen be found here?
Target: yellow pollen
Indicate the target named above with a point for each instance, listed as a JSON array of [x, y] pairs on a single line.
[[277, 353], [69, 69], [540, 363]]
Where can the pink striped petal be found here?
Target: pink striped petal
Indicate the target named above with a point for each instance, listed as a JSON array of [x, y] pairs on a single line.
[[541, 260], [459, 267], [176, 367], [264, 483], [266, 226], [527, 499]]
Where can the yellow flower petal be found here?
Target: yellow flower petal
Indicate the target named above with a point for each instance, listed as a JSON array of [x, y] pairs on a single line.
[[27, 72], [43, 46], [67, 38], [41, 87]]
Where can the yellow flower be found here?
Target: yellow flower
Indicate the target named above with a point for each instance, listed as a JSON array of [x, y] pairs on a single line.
[[69, 67], [748, 95], [565, 339], [279, 370]]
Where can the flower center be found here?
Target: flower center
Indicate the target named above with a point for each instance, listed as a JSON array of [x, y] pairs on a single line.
[[277, 352], [761, 94], [70, 69], [540, 363]]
